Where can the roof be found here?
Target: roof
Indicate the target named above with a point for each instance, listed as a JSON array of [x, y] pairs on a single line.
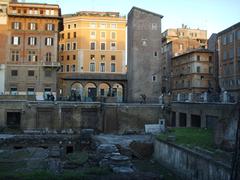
[[194, 51], [146, 11], [32, 4], [237, 25]]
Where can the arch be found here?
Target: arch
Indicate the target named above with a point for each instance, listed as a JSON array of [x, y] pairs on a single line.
[[76, 91], [118, 91], [90, 90], [103, 89]]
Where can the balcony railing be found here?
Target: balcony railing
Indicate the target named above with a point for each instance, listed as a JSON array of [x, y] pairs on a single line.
[[51, 64]]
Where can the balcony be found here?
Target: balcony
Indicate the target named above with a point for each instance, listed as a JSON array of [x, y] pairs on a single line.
[[51, 64]]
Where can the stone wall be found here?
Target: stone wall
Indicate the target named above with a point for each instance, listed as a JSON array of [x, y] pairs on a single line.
[[188, 164]]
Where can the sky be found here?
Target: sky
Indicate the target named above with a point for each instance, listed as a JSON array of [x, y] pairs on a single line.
[[211, 15]]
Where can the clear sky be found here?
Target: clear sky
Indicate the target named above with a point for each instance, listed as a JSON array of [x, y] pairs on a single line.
[[212, 15]]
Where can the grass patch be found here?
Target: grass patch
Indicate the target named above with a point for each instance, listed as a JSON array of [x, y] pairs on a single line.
[[78, 157], [191, 137]]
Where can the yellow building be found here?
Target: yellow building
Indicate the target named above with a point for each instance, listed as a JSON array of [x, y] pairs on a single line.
[[91, 43]]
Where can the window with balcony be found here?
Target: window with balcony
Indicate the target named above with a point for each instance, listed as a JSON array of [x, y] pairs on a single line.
[[32, 26], [13, 91], [67, 68], [92, 67], [61, 68], [92, 46], [113, 67], [102, 46], [49, 41], [32, 56], [48, 57], [62, 47], [16, 25], [32, 41], [102, 67], [30, 73], [15, 55], [14, 72], [16, 40]]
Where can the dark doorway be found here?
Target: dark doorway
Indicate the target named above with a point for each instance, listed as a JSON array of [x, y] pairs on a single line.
[[13, 120], [92, 92], [69, 149], [182, 119], [173, 123], [195, 121]]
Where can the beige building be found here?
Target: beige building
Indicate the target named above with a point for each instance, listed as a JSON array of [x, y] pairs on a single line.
[[193, 72], [229, 60], [176, 42], [31, 55], [92, 43]]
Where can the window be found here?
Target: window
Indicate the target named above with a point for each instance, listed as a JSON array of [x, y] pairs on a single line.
[[103, 25], [69, 26], [103, 35], [155, 54], [181, 33], [15, 40], [15, 55], [92, 45], [30, 73], [113, 26], [68, 57], [13, 91], [231, 38], [102, 67], [103, 46], [93, 34], [113, 45], [92, 67], [16, 25], [52, 12], [32, 41], [68, 46], [92, 57], [47, 12], [74, 57], [210, 70], [224, 55], [49, 41], [113, 57], [93, 25], [14, 73], [62, 58], [74, 46], [75, 25], [61, 68], [113, 35], [48, 73], [224, 40], [154, 78], [210, 59], [50, 27], [198, 58], [30, 91], [67, 69], [68, 35], [74, 34], [154, 26], [62, 47], [180, 47], [231, 54], [103, 57], [32, 57], [62, 36], [198, 69], [238, 34], [113, 69], [48, 57], [238, 53], [73, 68], [32, 26]]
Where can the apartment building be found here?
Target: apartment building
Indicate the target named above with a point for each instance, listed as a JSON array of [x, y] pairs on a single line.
[[176, 42], [31, 55], [193, 72], [229, 60], [91, 45]]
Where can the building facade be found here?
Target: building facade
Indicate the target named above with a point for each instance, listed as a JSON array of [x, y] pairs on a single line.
[[193, 72], [31, 55], [92, 43], [176, 42], [229, 60], [144, 46]]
